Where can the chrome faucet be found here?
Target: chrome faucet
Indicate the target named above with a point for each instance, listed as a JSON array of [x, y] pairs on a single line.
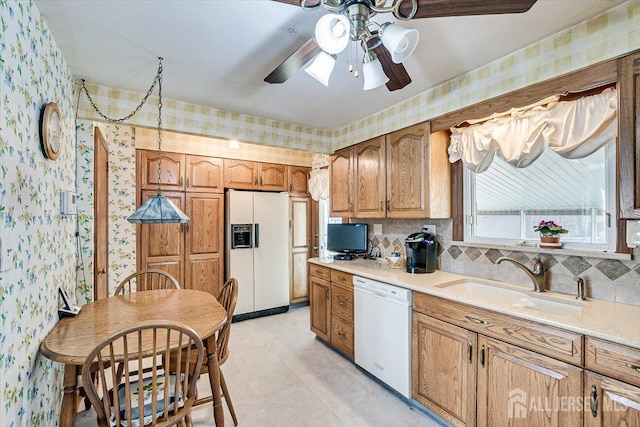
[[537, 275]]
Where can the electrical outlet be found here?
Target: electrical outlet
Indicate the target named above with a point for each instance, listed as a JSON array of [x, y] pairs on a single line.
[[429, 228], [377, 229], [6, 253]]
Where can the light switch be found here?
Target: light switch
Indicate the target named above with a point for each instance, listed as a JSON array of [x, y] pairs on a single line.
[[377, 228]]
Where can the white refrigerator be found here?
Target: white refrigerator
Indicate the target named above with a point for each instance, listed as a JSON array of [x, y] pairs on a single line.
[[257, 250]]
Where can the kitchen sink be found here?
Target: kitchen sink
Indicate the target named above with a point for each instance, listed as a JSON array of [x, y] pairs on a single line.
[[547, 303]]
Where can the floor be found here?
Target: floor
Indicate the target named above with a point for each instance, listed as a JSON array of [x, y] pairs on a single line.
[[279, 374]]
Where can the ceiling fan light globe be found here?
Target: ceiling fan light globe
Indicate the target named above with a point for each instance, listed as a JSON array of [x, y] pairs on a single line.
[[373, 74], [321, 67], [399, 41], [332, 33]]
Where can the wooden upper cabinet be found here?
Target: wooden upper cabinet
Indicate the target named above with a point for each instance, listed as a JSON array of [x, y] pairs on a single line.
[[298, 178], [418, 177], [273, 177], [341, 183], [370, 179], [628, 89], [240, 174], [204, 174], [172, 169]]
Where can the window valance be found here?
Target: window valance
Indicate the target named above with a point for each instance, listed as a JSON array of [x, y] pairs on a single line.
[[318, 184], [573, 129]]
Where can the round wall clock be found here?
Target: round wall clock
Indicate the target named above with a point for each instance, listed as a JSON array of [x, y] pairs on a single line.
[[51, 131]]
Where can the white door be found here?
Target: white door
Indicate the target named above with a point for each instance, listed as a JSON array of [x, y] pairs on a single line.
[[239, 205], [271, 254]]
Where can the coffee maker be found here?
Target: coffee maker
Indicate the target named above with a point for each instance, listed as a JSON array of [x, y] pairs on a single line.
[[421, 249]]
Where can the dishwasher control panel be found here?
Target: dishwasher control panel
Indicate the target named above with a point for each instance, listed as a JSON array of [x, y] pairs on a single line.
[[383, 289]]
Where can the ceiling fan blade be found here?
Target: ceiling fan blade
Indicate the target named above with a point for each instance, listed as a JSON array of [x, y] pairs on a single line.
[[398, 76], [291, 2], [441, 8], [294, 62]]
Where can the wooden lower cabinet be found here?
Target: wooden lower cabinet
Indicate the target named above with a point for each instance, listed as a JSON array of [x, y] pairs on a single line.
[[444, 369], [331, 307], [610, 402], [519, 387], [470, 379], [320, 307]]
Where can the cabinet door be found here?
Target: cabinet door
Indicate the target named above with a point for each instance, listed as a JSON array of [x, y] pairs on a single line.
[[204, 242], [320, 302], [520, 387], [240, 174], [204, 174], [628, 69], [273, 177], [609, 402], [172, 170], [341, 183], [418, 174], [444, 369], [369, 183], [162, 245], [298, 177], [300, 240]]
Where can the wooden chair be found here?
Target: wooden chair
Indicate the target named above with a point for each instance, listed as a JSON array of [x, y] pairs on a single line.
[[146, 280], [228, 298], [163, 402]]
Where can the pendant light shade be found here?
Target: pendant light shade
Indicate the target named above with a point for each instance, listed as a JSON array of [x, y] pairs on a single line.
[[321, 67], [399, 41], [372, 72], [332, 33], [158, 210]]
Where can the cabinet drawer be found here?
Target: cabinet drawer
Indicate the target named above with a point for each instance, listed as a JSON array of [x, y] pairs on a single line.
[[547, 340], [342, 278], [342, 334], [319, 271], [615, 360], [342, 302]]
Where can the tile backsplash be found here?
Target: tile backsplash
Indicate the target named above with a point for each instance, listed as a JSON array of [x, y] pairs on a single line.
[[605, 279]]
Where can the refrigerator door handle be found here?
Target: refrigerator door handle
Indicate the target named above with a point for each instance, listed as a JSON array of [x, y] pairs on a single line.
[[257, 235]]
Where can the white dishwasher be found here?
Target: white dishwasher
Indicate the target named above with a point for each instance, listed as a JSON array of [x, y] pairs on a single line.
[[382, 321]]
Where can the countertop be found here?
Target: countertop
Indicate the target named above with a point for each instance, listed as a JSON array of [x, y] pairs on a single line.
[[607, 320]]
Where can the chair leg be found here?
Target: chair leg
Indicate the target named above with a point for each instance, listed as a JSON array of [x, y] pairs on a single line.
[[227, 398]]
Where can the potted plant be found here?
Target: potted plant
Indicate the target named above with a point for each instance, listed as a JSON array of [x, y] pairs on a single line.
[[550, 234]]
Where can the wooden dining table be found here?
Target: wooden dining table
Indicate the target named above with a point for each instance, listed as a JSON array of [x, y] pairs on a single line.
[[73, 338]]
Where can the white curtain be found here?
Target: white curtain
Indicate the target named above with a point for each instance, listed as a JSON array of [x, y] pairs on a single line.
[[573, 129], [319, 184]]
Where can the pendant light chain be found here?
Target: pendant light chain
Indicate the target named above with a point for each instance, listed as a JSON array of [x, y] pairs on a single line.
[[159, 80], [142, 102]]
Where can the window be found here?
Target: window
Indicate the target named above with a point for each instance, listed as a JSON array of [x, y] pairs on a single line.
[[503, 203]]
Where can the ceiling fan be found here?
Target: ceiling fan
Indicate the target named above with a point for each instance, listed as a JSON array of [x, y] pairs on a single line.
[[386, 45]]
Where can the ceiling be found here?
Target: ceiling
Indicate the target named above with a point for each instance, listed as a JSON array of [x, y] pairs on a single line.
[[217, 53]]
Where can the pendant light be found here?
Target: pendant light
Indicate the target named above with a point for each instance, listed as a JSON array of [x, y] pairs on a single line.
[[157, 209]]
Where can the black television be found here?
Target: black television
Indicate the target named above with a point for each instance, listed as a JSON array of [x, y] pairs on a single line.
[[347, 239]]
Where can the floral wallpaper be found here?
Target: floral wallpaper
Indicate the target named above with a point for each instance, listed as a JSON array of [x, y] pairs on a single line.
[[32, 73], [84, 170]]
